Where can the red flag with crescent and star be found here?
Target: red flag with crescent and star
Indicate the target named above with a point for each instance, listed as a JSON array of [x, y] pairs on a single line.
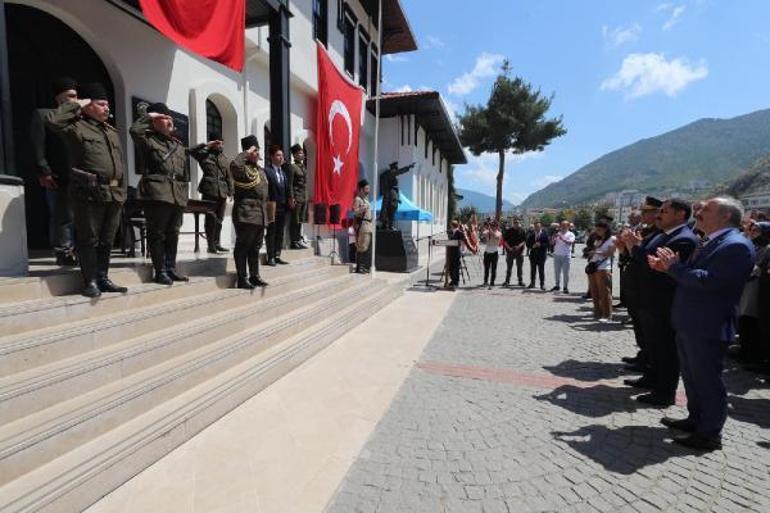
[[338, 123]]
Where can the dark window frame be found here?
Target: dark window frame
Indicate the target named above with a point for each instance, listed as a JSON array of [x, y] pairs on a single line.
[[321, 21], [349, 23], [363, 62], [426, 144], [401, 122], [214, 121], [374, 79]]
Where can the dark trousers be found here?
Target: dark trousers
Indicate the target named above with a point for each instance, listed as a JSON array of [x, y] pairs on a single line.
[[275, 235], [536, 264], [248, 241], [511, 257], [59, 219], [213, 222], [701, 360], [96, 223], [663, 360], [163, 223], [490, 267], [298, 216], [454, 269], [643, 355]]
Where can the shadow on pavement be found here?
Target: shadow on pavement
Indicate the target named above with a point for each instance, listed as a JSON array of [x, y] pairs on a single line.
[[586, 323], [764, 444], [596, 401], [739, 381], [624, 450], [755, 411], [587, 371]]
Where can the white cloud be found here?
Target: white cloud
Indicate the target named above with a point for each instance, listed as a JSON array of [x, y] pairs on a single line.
[[621, 35], [642, 74], [674, 13], [406, 88], [487, 65], [433, 42], [396, 58]]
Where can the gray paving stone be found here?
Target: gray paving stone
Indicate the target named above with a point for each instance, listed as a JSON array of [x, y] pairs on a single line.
[[540, 421]]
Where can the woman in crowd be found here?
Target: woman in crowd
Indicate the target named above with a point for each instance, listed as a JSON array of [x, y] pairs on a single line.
[[599, 270], [491, 237], [752, 346]]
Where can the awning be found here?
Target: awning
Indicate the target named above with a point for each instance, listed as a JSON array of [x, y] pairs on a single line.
[[407, 211]]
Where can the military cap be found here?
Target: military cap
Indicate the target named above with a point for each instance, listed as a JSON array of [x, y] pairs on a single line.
[[159, 108], [62, 84], [93, 91], [249, 141], [363, 183], [651, 203], [295, 148]]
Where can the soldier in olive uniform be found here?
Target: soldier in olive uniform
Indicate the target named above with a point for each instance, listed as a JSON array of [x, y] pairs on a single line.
[[362, 210], [216, 186], [53, 166], [165, 169], [249, 212], [97, 183], [297, 178]]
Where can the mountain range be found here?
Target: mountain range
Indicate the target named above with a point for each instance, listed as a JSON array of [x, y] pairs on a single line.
[[705, 153], [483, 202]]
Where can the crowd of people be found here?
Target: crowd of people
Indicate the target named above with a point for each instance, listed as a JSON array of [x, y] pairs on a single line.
[[81, 168], [694, 279]]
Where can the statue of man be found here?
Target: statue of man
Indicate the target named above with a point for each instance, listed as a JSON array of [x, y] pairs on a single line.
[[389, 191]]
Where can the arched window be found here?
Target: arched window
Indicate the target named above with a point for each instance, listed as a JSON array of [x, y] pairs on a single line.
[[213, 122]]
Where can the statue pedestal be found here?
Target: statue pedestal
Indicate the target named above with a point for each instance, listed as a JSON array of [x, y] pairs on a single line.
[[13, 227], [394, 252]]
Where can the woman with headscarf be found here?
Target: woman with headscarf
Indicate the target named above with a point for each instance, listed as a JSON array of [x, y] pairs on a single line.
[[752, 345]]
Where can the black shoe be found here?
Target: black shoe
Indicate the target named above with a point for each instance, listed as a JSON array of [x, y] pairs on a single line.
[[630, 359], [555, 289], [638, 383], [279, 260], [505, 284], [175, 276], [542, 287], [531, 286], [212, 251], [66, 259], [243, 283], [653, 399], [484, 284], [700, 442], [221, 249], [257, 281], [106, 285], [619, 305], [296, 245], [680, 424], [521, 284], [566, 291], [270, 262], [586, 296], [635, 367], [163, 278], [91, 290]]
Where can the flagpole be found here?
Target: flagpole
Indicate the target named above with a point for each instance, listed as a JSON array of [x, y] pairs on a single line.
[[375, 165]]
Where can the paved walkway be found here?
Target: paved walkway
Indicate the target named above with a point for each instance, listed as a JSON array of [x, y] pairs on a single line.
[[517, 405]]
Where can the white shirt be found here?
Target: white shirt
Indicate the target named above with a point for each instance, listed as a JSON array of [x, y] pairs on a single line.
[[493, 241], [713, 235], [675, 228], [563, 242], [599, 255]]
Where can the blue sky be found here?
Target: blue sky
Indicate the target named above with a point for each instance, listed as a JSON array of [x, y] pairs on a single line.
[[620, 70]]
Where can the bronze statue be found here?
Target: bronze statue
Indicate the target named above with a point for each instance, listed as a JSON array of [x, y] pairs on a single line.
[[389, 192]]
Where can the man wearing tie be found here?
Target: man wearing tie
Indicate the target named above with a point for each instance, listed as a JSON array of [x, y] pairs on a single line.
[[537, 241], [652, 304], [703, 313], [279, 194]]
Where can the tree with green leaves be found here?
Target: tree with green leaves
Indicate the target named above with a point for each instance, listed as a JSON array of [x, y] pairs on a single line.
[[546, 219], [514, 119], [467, 212], [583, 219]]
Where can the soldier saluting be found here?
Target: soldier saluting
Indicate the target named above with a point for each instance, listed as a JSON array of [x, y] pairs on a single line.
[[297, 178], [216, 186], [165, 169], [97, 183], [249, 212]]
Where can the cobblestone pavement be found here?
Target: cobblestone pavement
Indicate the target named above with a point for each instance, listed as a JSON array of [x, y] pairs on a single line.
[[517, 405]]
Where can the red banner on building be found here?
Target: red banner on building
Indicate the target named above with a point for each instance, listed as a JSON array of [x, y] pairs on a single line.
[[214, 29], [338, 123]]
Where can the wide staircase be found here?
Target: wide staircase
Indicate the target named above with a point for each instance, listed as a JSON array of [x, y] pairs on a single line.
[[94, 391]]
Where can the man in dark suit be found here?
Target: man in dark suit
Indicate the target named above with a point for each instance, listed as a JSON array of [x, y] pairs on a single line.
[[709, 287], [538, 242], [278, 182], [654, 298]]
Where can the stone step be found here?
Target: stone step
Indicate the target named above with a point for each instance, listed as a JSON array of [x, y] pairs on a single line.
[[48, 280], [39, 438], [21, 352], [28, 315], [29, 392], [84, 475]]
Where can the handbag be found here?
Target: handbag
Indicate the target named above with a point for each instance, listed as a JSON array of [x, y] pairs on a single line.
[[592, 267]]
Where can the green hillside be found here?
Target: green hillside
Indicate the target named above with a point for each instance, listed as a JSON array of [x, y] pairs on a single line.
[[716, 150]]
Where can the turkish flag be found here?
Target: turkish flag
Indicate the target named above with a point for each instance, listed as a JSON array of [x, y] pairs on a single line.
[[338, 123], [214, 29]]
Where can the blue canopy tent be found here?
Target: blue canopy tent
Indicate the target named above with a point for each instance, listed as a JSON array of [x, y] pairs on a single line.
[[407, 211]]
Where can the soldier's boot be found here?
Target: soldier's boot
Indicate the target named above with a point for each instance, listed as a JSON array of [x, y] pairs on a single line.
[[171, 244], [157, 254], [240, 270], [88, 269], [217, 233], [254, 278], [211, 237], [104, 283]]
